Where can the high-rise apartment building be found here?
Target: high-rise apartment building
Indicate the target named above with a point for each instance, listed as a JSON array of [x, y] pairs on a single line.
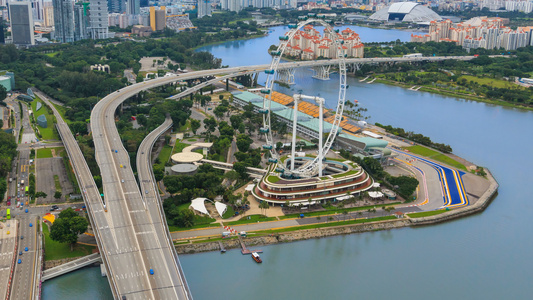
[[204, 8], [21, 18], [133, 7], [64, 20], [2, 38], [48, 14], [81, 21], [98, 19], [158, 18]]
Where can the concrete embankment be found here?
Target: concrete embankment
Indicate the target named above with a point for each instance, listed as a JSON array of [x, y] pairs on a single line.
[[293, 236], [299, 235]]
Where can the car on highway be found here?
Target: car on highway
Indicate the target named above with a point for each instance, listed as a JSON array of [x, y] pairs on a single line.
[[20, 253], [26, 249], [121, 166], [21, 237], [151, 271], [19, 261], [122, 180]]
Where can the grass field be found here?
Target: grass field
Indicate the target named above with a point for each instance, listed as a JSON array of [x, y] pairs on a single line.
[[426, 213], [351, 172], [179, 147], [251, 219], [54, 250], [334, 210], [47, 133], [52, 54], [491, 82], [164, 155], [57, 184], [423, 151], [273, 178], [44, 153]]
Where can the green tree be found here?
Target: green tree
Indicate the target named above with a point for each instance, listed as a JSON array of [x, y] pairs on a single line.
[[195, 125], [41, 195], [263, 206], [3, 93], [57, 194], [243, 142], [67, 227]]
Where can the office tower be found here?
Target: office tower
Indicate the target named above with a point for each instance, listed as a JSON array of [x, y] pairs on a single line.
[[2, 38], [21, 18], [81, 21], [204, 8], [133, 7], [98, 19], [37, 8], [117, 6], [143, 3], [64, 20]]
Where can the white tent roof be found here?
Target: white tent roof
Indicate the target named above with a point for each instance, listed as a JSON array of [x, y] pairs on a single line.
[[250, 187], [221, 208], [375, 184], [375, 194], [198, 205]]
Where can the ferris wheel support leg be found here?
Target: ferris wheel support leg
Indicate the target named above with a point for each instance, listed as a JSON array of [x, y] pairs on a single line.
[[320, 137], [294, 124]]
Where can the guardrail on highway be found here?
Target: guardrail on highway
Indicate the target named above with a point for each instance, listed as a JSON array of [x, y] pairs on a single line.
[[152, 139]]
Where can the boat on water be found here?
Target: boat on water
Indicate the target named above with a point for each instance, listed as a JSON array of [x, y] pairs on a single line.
[[256, 257]]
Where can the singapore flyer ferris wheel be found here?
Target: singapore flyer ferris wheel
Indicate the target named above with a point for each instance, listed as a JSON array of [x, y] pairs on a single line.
[[314, 167]]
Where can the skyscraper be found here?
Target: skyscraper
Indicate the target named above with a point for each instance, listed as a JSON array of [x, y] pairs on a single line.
[[204, 8], [133, 7], [21, 18], [2, 38], [116, 6], [98, 20], [64, 20]]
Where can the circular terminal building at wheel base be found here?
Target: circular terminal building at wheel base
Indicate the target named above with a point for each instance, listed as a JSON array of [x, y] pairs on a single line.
[[340, 181]]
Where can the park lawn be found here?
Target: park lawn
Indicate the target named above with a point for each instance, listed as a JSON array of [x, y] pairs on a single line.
[[334, 210], [426, 213], [328, 224], [54, 250], [351, 172], [228, 213], [179, 146], [164, 156], [44, 153], [498, 83], [421, 150], [52, 54], [185, 127], [251, 219], [192, 140], [273, 178], [57, 184], [47, 133]]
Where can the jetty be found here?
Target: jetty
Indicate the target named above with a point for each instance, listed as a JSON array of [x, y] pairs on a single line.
[[245, 250], [364, 79], [222, 248], [372, 80]]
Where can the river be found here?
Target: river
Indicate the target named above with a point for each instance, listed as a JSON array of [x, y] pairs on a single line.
[[485, 256]]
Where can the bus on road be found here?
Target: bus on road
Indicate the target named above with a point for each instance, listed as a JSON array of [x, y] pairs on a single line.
[[8, 214]]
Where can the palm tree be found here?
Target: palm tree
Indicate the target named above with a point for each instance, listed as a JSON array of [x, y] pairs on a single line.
[[263, 205]]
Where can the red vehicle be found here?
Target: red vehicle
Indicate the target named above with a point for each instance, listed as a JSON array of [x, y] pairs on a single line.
[[133, 118], [476, 55]]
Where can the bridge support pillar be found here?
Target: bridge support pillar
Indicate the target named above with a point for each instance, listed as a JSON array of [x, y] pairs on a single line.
[[321, 72], [285, 76]]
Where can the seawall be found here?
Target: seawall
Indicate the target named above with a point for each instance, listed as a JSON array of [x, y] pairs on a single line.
[[299, 235]]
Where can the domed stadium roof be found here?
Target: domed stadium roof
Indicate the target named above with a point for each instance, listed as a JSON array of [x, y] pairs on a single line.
[[406, 12]]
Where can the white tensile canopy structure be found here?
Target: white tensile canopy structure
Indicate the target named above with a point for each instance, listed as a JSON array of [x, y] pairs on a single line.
[[199, 205], [221, 208], [375, 195]]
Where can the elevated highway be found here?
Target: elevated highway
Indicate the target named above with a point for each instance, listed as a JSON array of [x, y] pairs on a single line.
[[130, 229]]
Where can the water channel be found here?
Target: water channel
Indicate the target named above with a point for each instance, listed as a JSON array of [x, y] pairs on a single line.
[[485, 256]]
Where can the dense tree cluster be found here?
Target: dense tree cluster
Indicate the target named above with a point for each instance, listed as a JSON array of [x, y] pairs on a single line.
[[416, 137], [8, 152], [405, 186], [68, 226]]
